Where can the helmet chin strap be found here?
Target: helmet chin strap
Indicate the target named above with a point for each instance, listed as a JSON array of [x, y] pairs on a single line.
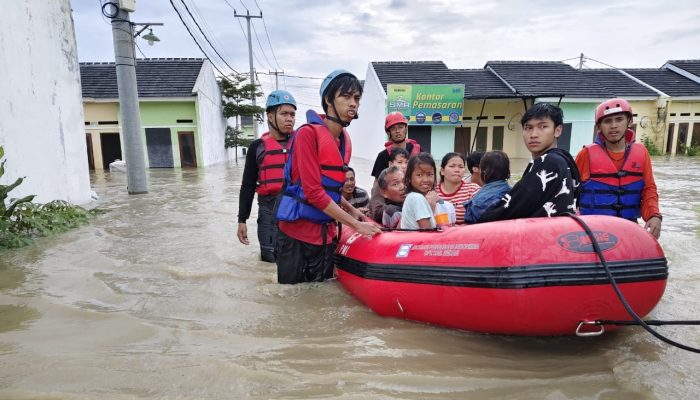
[[337, 120], [275, 126]]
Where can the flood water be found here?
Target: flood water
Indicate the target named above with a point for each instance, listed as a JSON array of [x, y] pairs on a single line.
[[156, 299]]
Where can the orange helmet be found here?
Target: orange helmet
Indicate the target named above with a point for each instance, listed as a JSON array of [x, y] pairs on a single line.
[[394, 118], [612, 106]]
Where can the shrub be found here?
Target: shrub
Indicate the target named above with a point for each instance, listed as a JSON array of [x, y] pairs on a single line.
[[20, 219], [651, 146]]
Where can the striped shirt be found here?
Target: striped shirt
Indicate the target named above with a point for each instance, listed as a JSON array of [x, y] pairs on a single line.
[[463, 193]]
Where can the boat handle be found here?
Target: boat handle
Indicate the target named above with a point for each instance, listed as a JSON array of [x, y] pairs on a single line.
[[587, 334]]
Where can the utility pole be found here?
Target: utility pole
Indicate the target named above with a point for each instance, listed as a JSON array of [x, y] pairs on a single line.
[[580, 62], [250, 58], [124, 57], [276, 74]]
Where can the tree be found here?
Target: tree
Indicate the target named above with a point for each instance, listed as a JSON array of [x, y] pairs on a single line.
[[236, 95]]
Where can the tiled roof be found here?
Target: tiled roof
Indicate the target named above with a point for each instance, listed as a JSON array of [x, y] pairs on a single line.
[[482, 84], [547, 78], [617, 83], [692, 66], [156, 77], [415, 72], [666, 81]]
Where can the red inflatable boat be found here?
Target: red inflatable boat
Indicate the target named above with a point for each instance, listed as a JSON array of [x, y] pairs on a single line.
[[537, 276]]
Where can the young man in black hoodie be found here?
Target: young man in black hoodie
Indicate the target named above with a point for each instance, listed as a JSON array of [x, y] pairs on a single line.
[[550, 183]]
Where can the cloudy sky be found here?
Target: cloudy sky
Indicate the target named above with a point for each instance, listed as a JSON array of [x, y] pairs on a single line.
[[309, 38]]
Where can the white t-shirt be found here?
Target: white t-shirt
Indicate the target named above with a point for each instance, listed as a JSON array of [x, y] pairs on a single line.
[[415, 207]]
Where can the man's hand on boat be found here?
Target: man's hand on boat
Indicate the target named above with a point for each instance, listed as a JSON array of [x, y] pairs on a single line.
[[367, 228]]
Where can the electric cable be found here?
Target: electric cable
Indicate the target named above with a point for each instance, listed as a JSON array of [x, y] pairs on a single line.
[[204, 35]]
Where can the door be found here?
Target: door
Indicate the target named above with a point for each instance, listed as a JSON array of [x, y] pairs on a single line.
[[669, 138], [463, 140], [497, 138], [91, 157], [188, 153], [481, 136], [682, 138], [160, 148], [111, 148], [420, 134], [564, 141]]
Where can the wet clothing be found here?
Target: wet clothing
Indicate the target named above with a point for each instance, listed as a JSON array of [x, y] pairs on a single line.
[[549, 187], [382, 160], [648, 198], [267, 227], [303, 262], [488, 196], [305, 248]]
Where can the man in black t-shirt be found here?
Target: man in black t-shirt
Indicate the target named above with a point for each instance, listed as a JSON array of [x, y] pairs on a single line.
[[263, 172]]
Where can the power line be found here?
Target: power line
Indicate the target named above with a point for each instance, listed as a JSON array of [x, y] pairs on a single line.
[[208, 29], [223, 76], [205, 36], [257, 38]]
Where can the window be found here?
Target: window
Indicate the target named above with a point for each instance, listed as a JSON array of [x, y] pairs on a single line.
[[184, 121], [497, 138], [246, 120]]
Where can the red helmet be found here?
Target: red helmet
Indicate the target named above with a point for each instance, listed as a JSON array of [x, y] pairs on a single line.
[[612, 106], [393, 119]]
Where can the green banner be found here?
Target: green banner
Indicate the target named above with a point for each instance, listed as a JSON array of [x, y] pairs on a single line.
[[427, 104]]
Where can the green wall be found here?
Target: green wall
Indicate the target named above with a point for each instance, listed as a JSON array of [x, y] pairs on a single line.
[[163, 114], [581, 116]]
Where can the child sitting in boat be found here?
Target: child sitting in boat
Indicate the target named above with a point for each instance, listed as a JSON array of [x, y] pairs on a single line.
[[391, 189], [419, 206], [495, 171]]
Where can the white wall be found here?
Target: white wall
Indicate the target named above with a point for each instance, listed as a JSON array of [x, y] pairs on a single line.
[[367, 132], [41, 110], [212, 124]]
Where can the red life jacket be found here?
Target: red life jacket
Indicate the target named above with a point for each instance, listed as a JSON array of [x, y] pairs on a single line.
[[293, 204], [271, 169], [612, 192], [389, 145]]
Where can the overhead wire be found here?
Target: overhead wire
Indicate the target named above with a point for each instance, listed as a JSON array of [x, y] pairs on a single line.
[[223, 75], [205, 36]]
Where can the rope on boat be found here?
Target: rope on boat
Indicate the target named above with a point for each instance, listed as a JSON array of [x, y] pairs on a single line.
[[655, 322], [630, 311]]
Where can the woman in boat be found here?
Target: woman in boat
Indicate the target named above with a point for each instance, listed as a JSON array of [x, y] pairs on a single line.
[[453, 187]]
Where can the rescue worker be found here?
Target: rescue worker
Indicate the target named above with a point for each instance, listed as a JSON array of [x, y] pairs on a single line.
[[314, 176], [396, 128], [264, 172], [616, 173]]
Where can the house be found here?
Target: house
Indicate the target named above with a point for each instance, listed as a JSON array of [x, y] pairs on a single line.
[[666, 102], [180, 105]]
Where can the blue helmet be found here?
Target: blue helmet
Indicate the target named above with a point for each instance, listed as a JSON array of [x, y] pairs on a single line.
[[327, 81], [279, 97]]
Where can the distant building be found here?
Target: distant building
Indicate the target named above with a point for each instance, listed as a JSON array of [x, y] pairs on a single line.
[[666, 102], [181, 117], [40, 110]]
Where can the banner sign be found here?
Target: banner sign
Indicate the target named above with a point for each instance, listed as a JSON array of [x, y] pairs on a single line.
[[427, 104]]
